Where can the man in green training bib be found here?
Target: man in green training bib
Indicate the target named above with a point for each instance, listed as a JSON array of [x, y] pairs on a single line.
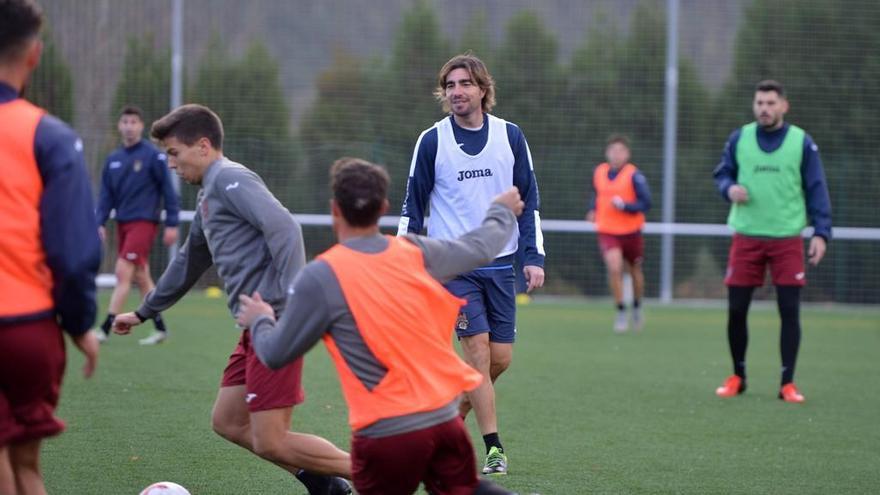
[[772, 175]]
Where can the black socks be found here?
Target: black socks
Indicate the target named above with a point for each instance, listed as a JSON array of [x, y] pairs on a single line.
[[492, 440], [738, 301], [108, 324], [314, 483], [788, 300], [159, 323]]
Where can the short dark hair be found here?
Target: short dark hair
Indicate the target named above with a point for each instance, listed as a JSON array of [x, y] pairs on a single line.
[[617, 139], [132, 110], [770, 85], [188, 124], [360, 189], [20, 22]]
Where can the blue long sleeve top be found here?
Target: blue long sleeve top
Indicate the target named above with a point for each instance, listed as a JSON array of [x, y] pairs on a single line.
[[421, 182], [136, 182]]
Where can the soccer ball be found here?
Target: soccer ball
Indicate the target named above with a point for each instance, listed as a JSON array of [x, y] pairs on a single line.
[[165, 488]]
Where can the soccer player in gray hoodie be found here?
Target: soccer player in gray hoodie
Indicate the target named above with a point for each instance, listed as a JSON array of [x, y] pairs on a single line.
[[256, 245]]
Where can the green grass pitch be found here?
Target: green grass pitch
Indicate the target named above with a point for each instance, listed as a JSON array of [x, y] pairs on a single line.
[[581, 410]]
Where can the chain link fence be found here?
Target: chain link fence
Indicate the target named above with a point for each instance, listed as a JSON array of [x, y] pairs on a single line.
[[299, 84]]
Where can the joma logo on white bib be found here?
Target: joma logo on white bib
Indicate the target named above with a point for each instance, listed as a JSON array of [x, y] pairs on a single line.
[[473, 174]]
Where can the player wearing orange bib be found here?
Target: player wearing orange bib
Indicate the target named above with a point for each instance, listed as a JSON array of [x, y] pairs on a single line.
[[621, 198], [378, 304], [49, 256]]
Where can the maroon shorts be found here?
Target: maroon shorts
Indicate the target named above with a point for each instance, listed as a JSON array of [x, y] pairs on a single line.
[[31, 367], [264, 388], [749, 257], [135, 240], [440, 456], [631, 245]]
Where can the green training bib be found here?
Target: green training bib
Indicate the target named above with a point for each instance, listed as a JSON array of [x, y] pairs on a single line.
[[776, 206]]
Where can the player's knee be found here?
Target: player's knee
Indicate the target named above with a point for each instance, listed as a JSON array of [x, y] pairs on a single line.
[[738, 316], [25, 458], [479, 357], [220, 427], [142, 277], [476, 346], [496, 369], [789, 308], [738, 309], [790, 316], [788, 300], [615, 268], [499, 365], [124, 273], [636, 269], [738, 306], [226, 429]]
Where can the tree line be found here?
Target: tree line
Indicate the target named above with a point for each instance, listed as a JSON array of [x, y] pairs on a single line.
[[826, 53]]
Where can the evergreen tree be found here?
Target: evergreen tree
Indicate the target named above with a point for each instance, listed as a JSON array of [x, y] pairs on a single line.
[[145, 81], [51, 84], [529, 78], [418, 53], [475, 38], [338, 124], [246, 93]]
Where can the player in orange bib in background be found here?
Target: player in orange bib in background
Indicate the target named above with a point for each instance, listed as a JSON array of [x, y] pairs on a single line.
[[620, 201], [379, 305]]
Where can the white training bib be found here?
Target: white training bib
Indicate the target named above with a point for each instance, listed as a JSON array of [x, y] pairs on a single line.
[[465, 185]]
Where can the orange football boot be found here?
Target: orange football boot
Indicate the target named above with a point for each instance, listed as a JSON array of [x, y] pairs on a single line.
[[790, 393], [733, 386]]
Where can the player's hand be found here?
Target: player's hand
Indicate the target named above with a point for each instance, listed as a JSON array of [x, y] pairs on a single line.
[[534, 277], [817, 250], [511, 199], [251, 308], [591, 216], [738, 194], [618, 202], [123, 323], [102, 233], [88, 345], [170, 236]]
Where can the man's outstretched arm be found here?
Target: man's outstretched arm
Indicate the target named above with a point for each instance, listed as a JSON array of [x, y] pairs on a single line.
[[445, 259]]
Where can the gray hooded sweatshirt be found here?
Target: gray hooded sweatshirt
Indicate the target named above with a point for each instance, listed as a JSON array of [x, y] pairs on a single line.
[[244, 230]]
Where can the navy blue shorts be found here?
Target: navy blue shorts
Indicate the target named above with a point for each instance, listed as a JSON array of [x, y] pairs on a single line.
[[491, 303]]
